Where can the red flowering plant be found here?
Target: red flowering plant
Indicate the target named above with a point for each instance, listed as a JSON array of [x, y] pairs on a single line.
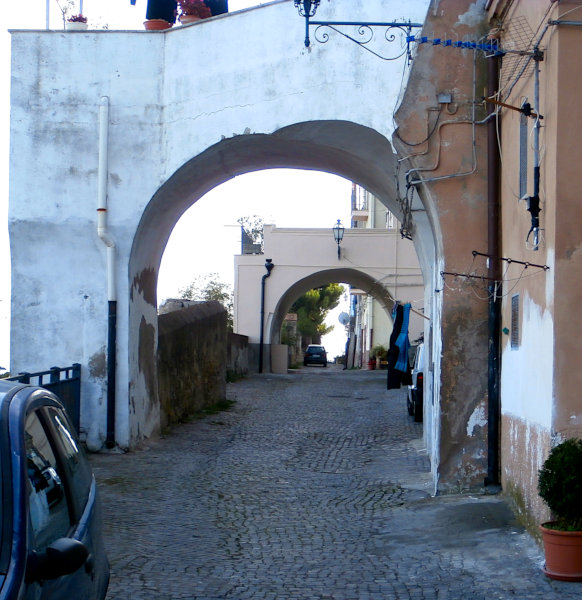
[[77, 19], [195, 8]]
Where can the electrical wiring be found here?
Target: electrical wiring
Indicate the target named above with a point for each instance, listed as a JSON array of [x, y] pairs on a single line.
[[426, 139], [473, 282], [400, 95]]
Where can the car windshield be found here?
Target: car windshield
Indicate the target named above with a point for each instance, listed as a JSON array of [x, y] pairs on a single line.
[[315, 349]]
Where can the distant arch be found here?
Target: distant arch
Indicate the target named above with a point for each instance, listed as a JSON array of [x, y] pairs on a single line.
[[352, 277]]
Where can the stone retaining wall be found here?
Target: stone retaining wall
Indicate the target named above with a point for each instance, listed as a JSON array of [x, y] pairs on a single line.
[[192, 359]]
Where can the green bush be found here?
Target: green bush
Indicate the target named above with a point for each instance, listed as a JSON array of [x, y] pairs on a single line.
[[560, 484], [379, 351]]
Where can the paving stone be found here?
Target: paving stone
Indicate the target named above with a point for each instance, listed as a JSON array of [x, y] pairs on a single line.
[[313, 486]]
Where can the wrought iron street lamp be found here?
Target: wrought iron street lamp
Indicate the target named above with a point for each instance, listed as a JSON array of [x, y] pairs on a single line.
[[338, 236], [307, 9]]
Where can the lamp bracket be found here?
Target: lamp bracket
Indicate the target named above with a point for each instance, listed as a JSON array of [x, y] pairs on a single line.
[[362, 34]]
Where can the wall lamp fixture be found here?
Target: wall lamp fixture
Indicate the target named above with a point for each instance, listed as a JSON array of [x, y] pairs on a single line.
[[338, 236], [363, 30]]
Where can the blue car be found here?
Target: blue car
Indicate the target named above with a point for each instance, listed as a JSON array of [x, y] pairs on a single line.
[[51, 546]]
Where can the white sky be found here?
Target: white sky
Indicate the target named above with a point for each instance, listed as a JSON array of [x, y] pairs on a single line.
[[286, 198]]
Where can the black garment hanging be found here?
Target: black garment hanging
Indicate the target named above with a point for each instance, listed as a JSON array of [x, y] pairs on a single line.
[[397, 378]]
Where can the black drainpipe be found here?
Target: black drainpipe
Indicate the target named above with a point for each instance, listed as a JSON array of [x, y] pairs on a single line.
[[111, 372], [269, 266], [494, 273]]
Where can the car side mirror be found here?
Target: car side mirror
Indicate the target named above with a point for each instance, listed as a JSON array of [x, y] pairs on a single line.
[[62, 557]]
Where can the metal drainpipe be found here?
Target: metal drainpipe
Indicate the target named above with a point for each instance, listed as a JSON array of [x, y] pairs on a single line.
[[105, 236], [269, 266], [494, 317]]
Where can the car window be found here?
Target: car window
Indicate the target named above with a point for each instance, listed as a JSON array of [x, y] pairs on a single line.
[[75, 464], [49, 513]]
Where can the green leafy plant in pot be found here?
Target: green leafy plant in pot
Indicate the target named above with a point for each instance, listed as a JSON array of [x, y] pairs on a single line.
[[560, 486]]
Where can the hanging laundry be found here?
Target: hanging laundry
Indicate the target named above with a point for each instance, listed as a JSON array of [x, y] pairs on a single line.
[[398, 365]]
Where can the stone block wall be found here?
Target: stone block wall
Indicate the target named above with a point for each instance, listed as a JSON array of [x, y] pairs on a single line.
[[192, 360], [237, 360]]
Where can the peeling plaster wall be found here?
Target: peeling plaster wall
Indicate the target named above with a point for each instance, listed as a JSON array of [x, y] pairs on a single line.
[[454, 205], [541, 377]]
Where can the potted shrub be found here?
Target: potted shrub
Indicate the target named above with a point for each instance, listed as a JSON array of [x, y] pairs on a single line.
[[379, 353], [560, 486], [193, 10], [76, 22]]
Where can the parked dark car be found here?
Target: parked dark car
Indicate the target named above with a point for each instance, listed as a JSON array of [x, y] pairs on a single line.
[[51, 546], [414, 401], [315, 355]]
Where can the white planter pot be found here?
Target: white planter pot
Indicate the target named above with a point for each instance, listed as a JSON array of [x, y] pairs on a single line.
[[75, 26]]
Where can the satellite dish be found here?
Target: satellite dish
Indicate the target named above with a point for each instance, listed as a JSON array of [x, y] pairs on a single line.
[[344, 318]]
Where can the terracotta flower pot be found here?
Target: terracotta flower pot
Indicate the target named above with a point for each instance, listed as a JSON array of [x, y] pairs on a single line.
[[156, 25], [563, 553], [186, 19]]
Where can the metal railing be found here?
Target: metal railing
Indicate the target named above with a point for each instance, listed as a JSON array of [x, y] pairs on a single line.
[[64, 382]]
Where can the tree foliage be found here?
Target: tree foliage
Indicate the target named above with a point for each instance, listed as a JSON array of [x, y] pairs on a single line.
[[253, 225], [210, 287], [313, 307]]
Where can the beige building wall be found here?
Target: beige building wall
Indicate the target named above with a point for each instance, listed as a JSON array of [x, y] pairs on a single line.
[[307, 258], [443, 151], [541, 377], [373, 324]]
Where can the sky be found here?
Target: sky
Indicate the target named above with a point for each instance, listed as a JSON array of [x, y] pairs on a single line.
[[285, 198]]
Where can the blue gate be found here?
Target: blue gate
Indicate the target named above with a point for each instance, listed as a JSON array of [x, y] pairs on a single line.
[[65, 383]]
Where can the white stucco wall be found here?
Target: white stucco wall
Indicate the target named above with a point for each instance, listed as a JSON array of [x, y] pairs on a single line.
[[173, 96]]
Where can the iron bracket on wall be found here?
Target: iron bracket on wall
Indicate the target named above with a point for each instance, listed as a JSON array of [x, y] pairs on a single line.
[[363, 34]]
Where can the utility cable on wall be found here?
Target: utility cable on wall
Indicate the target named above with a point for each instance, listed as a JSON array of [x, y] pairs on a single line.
[[474, 278]]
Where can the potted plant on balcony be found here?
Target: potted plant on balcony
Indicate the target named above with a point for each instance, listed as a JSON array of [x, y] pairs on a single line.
[[76, 22], [193, 10], [560, 486], [160, 15]]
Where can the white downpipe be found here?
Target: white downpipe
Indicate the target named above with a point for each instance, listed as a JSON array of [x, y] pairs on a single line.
[[103, 172]]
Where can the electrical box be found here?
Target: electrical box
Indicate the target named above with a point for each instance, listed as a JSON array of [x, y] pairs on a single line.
[[445, 98]]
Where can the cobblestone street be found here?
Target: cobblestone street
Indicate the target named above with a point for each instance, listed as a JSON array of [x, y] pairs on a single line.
[[313, 485]]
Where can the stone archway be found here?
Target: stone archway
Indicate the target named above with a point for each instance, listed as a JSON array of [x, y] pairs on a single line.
[[352, 277], [169, 135], [344, 148]]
